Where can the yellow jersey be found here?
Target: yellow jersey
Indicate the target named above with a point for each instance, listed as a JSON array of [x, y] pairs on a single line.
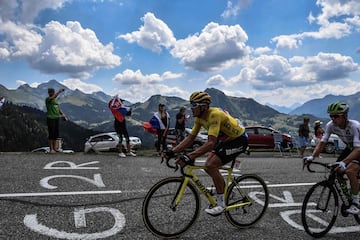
[[219, 124]]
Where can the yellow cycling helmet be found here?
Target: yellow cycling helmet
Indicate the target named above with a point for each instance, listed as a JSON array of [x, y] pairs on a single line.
[[200, 97]]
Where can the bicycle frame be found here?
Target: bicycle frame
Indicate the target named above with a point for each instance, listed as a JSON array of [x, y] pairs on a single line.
[[190, 175]]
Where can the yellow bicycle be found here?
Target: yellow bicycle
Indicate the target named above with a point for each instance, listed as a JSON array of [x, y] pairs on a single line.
[[172, 205]]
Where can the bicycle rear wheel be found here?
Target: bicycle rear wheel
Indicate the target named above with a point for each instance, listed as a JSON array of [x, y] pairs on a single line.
[[319, 210], [251, 189], [161, 216]]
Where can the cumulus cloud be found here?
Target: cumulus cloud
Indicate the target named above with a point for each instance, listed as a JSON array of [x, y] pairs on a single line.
[[324, 67], [153, 35], [26, 11], [345, 13], [72, 49], [54, 48], [141, 92], [216, 47], [19, 40], [269, 72], [216, 80], [130, 77], [74, 83]]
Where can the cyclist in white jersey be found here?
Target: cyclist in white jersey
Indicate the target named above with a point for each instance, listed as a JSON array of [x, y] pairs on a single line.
[[349, 160]]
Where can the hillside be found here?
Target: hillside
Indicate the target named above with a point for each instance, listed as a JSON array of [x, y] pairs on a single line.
[[24, 128], [318, 107], [90, 111]]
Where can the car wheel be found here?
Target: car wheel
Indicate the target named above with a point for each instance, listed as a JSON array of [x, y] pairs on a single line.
[[329, 148]]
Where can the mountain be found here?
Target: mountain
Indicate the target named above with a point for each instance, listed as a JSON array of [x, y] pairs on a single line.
[[284, 109], [90, 111], [318, 107], [87, 110]]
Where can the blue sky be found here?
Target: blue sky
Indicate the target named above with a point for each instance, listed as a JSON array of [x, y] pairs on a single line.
[[275, 51]]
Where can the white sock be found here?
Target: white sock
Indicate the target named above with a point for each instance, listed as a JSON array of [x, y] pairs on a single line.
[[220, 199]]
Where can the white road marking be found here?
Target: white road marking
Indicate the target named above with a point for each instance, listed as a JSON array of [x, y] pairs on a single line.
[[38, 194]]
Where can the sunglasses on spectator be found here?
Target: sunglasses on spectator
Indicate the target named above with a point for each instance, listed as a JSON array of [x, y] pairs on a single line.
[[333, 116]]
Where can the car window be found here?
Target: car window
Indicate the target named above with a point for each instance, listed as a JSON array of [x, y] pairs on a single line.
[[102, 138], [265, 131], [250, 130]]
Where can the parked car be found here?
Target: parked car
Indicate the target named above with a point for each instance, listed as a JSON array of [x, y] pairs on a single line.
[[104, 142], [263, 137], [330, 146], [200, 139]]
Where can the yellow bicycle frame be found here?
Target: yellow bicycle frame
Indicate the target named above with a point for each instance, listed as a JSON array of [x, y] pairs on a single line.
[[190, 175]]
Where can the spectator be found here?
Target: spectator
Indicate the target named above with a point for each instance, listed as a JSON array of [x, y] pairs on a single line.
[[180, 125], [318, 130], [304, 132], [53, 115], [161, 122], [119, 112], [2, 101]]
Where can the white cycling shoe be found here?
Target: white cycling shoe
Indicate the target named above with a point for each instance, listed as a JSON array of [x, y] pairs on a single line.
[[215, 211], [353, 209]]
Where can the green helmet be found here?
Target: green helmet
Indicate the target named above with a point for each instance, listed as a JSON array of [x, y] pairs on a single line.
[[338, 107]]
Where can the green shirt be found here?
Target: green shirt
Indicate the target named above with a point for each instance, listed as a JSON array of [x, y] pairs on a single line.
[[52, 107]]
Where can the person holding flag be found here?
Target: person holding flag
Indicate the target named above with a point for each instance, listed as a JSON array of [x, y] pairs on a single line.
[[119, 111]]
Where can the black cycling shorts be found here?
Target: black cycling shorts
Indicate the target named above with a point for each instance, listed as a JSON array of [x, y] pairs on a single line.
[[229, 150]]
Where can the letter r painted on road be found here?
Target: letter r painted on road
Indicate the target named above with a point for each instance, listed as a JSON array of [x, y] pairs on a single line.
[[97, 181], [70, 165]]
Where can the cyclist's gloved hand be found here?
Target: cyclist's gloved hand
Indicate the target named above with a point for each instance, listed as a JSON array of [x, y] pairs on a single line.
[[185, 160], [307, 161], [169, 154], [341, 166]]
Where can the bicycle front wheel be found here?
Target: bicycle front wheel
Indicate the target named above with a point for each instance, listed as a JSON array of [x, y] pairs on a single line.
[[250, 191], [319, 210], [160, 213]]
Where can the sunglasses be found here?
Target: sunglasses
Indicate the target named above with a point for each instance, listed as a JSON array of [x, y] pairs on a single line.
[[334, 116], [194, 104]]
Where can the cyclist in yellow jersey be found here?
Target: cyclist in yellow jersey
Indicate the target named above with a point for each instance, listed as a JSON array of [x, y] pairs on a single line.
[[226, 140]]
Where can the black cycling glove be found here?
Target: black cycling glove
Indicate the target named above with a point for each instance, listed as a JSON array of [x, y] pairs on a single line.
[[188, 161], [169, 154]]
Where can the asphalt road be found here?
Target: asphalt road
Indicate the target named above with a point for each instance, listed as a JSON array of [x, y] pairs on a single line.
[[89, 196]]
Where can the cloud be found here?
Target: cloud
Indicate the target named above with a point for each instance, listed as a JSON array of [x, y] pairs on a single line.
[[54, 48], [336, 20], [132, 93], [130, 77], [216, 47], [271, 72], [74, 83], [216, 80], [233, 9], [73, 50], [153, 35], [26, 11], [19, 40]]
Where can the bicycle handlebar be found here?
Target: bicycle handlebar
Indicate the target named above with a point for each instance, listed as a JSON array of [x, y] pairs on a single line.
[[176, 167], [330, 166]]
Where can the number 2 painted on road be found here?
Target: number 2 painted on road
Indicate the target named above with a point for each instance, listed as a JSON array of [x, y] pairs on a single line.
[[97, 181]]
